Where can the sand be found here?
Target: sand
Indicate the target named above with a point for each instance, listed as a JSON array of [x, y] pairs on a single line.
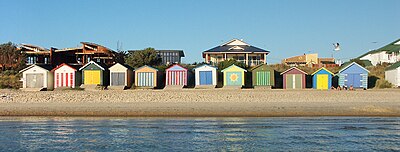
[[195, 102]]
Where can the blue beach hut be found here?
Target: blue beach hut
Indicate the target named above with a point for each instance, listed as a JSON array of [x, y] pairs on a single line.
[[353, 75], [322, 79]]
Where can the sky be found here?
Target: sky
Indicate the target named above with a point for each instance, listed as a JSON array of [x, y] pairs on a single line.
[[284, 27]]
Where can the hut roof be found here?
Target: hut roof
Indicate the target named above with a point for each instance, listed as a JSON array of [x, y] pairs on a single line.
[[46, 67], [354, 63], [293, 68], [393, 66], [259, 66], [124, 65], [175, 67], [73, 66], [322, 69], [233, 65], [99, 64], [147, 67], [204, 66]]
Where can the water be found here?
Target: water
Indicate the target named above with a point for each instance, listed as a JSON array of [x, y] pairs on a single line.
[[199, 134]]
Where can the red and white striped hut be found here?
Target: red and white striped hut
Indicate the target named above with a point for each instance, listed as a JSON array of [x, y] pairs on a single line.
[[176, 75], [67, 76]]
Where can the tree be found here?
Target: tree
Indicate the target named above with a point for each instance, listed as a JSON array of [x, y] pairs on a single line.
[[11, 57], [120, 57], [147, 56], [224, 64]]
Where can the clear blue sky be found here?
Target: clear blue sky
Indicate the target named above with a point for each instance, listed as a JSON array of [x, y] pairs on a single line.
[[285, 27]]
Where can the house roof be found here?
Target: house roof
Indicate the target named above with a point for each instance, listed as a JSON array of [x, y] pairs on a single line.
[[33, 47], [354, 63], [293, 68], [203, 65], [99, 64], [393, 66], [91, 43], [46, 67], [322, 69], [144, 67], [391, 47], [73, 66], [236, 45], [233, 65]]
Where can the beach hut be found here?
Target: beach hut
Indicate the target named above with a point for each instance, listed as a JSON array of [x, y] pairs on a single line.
[[294, 78], [37, 76], [205, 75], [233, 76], [176, 75], [353, 75], [263, 76], [392, 74], [146, 77], [121, 75], [95, 73], [66, 75], [322, 79]]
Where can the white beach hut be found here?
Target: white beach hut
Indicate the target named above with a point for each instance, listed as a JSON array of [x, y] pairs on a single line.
[[37, 77], [121, 75], [392, 74], [205, 75]]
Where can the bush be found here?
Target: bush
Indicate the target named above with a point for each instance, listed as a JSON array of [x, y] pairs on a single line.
[[10, 82], [383, 84]]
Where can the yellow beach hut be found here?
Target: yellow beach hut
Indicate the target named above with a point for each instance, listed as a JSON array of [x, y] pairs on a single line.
[[322, 79], [233, 76]]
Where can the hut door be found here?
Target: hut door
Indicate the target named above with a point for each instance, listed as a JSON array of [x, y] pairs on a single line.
[[294, 81], [117, 78], [145, 79], [205, 77], [263, 78], [34, 80], [322, 81], [354, 80], [92, 77], [234, 78]]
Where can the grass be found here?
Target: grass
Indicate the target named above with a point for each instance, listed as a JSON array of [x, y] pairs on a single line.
[[10, 82]]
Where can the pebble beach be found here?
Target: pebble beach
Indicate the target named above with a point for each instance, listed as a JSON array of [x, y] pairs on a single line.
[[198, 103]]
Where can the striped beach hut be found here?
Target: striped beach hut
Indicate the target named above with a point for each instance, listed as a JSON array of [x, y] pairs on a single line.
[[68, 76], [294, 78], [176, 75], [205, 75], [94, 73], [121, 75], [322, 79], [38, 76], [234, 76], [263, 76], [146, 77], [354, 75]]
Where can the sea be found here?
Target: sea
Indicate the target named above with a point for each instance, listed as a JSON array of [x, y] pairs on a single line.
[[199, 134]]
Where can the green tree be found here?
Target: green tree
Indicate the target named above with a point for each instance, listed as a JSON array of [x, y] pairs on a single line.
[[120, 56], [147, 56], [224, 64], [11, 57]]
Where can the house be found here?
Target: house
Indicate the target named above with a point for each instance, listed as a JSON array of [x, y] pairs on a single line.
[[94, 73], [35, 54], [238, 50], [310, 60], [354, 75], [294, 78], [146, 77], [263, 76], [38, 76], [392, 74], [121, 75], [234, 76], [176, 75], [322, 79], [168, 56], [85, 53], [387, 54], [66, 75], [205, 75]]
